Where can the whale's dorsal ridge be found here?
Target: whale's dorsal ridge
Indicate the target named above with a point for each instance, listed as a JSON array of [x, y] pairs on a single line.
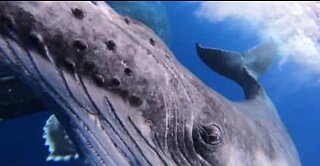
[[244, 68]]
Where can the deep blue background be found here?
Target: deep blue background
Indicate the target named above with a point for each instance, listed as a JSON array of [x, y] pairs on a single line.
[[297, 101]]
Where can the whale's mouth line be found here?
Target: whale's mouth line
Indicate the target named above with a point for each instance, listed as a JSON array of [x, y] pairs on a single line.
[[12, 58]]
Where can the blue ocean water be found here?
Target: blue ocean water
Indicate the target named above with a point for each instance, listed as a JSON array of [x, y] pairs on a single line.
[[297, 103]]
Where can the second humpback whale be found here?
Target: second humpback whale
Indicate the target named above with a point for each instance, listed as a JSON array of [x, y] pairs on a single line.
[[123, 99]]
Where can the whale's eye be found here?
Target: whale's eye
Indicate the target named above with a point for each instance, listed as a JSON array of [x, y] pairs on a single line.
[[211, 134]]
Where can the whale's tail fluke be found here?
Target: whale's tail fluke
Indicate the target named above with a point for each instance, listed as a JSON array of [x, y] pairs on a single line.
[[244, 68]]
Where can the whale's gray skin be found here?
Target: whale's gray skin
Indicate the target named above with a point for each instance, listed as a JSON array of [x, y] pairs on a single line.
[[19, 101], [125, 100]]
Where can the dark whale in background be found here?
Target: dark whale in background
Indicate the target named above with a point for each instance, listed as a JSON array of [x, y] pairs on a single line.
[[123, 99], [151, 13]]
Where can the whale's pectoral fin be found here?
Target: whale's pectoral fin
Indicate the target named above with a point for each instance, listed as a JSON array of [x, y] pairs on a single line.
[[244, 68], [60, 146]]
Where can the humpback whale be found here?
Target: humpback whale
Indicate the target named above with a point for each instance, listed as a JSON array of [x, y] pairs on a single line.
[[119, 96]]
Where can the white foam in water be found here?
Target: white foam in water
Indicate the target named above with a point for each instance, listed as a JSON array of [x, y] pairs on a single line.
[[296, 25]]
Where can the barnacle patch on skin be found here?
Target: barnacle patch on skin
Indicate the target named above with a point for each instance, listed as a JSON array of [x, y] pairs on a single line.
[[61, 147]]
